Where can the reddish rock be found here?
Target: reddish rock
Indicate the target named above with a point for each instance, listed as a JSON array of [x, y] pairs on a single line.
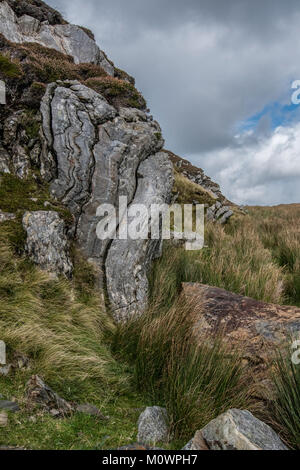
[[255, 325]]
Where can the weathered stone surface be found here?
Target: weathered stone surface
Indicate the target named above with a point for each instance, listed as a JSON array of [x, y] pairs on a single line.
[[40, 393], [153, 425], [46, 242], [240, 430], [66, 38], [4, 161], [9, 406], [197, 443], [256, 326], [5, 216], [219, 213], [94, 155], [128, 261]]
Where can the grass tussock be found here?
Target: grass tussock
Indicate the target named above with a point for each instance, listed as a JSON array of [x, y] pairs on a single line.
[[196, 382], [286, 406], [49, 320]]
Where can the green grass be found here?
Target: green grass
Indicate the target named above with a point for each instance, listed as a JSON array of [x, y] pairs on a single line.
[[9, 69], [78, 432], [286, 406], [61, 326]]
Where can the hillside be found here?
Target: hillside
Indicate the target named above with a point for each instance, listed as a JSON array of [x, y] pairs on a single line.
[[96, 330]]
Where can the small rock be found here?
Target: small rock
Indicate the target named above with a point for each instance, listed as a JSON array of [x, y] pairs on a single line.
[[153, 425], [4, 371], [240, 430], [90, 410], [38, 392], [3, 419], [9, 406], [47, 243]]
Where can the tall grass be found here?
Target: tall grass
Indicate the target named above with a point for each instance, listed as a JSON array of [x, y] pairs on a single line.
[[196, 382], [286, 407], [60, 325]]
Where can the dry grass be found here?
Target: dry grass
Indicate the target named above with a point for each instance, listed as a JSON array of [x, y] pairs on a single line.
[[51, 321]]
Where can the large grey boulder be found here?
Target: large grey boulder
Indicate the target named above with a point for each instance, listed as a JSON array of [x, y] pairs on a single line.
[[153, 426], [46, 242], [93, 155], [66, 38], [240, 430]]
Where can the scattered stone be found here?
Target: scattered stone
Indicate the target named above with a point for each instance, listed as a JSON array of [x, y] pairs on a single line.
[[153, 425], [4, 160], [90, 410], [5, 216], [38, 392], [9, 406], [3, 419], [219, 213], [240, 430], [46, 242]]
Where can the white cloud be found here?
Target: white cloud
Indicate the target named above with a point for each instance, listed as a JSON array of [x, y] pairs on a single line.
[[261, 172]]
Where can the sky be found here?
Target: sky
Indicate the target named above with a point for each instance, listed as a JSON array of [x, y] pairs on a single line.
[[217, 75]]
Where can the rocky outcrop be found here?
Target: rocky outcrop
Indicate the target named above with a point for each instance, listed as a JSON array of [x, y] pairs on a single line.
[[240, 430], [128, 261], [253, 325], [196, 175], [93, 155], [219, 213], [153, 425], [46, 242], [67, 38]]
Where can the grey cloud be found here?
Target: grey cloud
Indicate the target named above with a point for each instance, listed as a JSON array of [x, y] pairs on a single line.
[[203, 65]]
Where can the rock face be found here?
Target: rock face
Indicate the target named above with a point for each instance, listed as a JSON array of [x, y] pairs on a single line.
[[93, 155], [256, 326], [240, 430], [69, 39], [46, 241], [153, 426], [128, 261]]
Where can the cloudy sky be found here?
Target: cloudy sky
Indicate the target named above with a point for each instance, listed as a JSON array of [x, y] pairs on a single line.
[[217, 75]]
